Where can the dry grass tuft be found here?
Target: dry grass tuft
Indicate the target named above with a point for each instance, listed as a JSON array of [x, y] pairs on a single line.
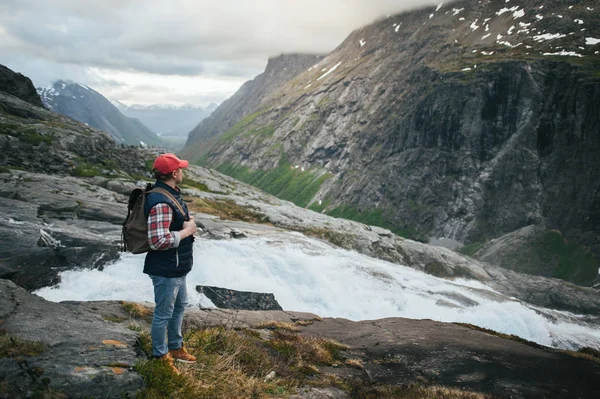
[[226, 209], [356, 363], [231, 364], [411, 391], [304, 322], [136, 310], [277, 325], [114, 318], [585, 353], [299, 348]]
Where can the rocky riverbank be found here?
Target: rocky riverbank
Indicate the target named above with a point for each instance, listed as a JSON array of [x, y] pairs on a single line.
[[91, 349]]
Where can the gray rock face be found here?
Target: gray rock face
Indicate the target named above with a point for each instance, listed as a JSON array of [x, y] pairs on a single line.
[[225, 298], [90, 107], [430, 122], [19, 86], [83, 356], [51, 224]]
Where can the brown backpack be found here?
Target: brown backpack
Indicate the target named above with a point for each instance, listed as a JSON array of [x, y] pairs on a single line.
[[134, 235]]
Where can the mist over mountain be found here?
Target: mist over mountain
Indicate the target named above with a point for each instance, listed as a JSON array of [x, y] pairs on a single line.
[[165, 119], [467, 123], [86, 105]]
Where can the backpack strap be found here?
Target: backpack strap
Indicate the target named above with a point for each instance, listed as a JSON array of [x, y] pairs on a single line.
[[168, 194]]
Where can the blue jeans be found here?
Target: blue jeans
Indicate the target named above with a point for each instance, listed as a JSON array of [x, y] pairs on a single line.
[[170, 296]]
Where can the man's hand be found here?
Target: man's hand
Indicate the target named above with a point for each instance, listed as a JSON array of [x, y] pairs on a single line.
[[189, 228]]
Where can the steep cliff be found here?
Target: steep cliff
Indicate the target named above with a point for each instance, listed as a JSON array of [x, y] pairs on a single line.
[[466, 121]]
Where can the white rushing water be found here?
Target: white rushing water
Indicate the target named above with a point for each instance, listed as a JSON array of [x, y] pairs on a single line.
[[308, 275]]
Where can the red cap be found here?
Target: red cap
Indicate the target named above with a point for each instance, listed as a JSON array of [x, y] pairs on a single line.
[[167, 163]]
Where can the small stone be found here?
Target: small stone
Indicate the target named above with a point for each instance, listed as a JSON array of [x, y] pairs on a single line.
[[270, 376]]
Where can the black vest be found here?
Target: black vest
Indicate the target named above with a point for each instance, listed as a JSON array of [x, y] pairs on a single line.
[[173, 262]]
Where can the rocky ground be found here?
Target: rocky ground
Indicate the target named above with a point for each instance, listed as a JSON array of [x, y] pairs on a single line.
[[88, 349]]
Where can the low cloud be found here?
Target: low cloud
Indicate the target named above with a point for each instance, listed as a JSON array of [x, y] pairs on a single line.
[[218, 39]]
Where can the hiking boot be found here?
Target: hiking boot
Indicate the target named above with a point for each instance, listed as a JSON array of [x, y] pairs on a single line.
[[182, 355], [168, 360]]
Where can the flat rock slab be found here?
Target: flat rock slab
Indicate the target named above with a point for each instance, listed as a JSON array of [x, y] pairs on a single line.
[[397, 350], [84, 355]]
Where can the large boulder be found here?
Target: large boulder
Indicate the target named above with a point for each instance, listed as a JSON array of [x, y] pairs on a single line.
[[225, 298], [19, 86], [50, 224]]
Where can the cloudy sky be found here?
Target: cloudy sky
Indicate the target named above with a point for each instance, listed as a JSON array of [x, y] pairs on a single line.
[[172, 51]]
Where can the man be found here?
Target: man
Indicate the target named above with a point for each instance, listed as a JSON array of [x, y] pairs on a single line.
[[171, 236]]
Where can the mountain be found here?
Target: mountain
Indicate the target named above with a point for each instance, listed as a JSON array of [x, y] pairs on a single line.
[[35, 139], [462, 122], [165, 119], [90, 107], [279, 71]]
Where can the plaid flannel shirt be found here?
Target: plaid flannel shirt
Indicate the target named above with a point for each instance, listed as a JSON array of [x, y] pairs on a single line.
[[159, 236]]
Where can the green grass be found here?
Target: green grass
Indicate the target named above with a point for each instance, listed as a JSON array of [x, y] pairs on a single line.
[[241, 127], [24, 133], [549, 254], [261, 133], [320, 208], [375, 217], [9, 128], [187, 182], [284, 181], [340, 239], [32, 137], [572, 262], [108, 168], [471, 249], [201, 153], [84, 169], [15, 347], [149, 164]]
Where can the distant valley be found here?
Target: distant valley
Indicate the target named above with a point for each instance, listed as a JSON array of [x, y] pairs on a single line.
[[171, 123]]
